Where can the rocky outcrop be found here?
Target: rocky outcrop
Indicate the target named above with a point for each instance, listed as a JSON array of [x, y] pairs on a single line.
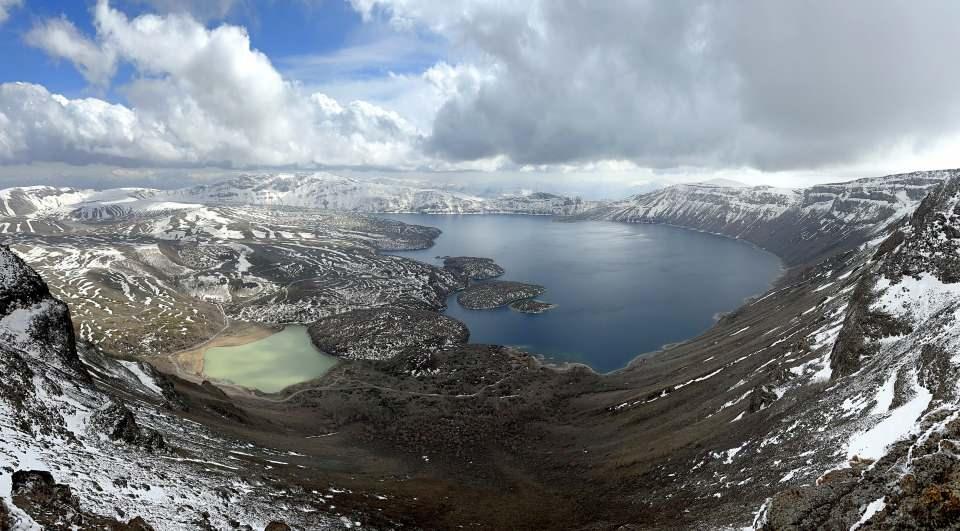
[[54, 506], [31, 320], [863, 326], [911, 298], [118, 423], [496, 293], [383, 333], [472, 268]]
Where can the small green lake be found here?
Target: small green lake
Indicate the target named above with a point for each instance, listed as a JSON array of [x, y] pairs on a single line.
[[270, 364]]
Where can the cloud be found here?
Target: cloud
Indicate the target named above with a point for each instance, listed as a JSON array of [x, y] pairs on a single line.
[[690, 85], [38, 125], [771, 85], [199, 96], [204, 10], [6, 6], [61, 39]]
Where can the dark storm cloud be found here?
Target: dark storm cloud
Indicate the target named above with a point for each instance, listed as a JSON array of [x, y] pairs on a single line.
[[774, 85]]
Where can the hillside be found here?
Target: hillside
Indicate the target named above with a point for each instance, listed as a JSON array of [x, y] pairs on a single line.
[[829, 402], [796, 224], [26, 206], [89, 442]]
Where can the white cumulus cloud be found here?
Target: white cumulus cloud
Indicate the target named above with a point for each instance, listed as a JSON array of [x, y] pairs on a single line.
[[200, 96], [61, 39]]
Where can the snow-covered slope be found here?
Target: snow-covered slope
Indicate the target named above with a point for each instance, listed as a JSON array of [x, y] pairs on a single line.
[[796, 224], [324, 191], [334, 192], [828, 402], [890, 416], [101, 435], [33, 201]]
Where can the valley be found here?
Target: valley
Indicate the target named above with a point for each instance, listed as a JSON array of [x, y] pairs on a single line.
[[771, 418]]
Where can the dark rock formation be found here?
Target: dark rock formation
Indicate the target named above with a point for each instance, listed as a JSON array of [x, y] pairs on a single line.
[[472, 268], [119, 424], [861, 327], [382, 333], [42, 323], [496, 293], [54, 506]]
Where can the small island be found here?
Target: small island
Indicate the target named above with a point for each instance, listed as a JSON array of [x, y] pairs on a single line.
[[472, 267], [497, 293], [531, 306]]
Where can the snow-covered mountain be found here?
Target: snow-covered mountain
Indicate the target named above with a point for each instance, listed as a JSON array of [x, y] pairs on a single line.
[[323, 191], [334, 192], [890, 412], [830, 402], [795, 224]]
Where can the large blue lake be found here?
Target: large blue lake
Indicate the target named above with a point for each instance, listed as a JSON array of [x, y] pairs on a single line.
[[621, 289]]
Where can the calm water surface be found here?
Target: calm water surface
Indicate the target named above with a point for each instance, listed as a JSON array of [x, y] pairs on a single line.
[[622, 289], [270, 364]]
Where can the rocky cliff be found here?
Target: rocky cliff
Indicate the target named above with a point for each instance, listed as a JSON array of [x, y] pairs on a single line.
[[799, 225]]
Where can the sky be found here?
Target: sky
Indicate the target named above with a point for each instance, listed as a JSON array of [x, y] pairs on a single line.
[[597, 98]]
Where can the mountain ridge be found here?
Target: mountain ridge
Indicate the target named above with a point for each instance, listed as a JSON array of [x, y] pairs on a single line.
[[799, 225], [323, 191], [828, 402]]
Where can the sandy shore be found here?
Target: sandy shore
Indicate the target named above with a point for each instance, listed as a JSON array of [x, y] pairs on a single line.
[[188, 364]]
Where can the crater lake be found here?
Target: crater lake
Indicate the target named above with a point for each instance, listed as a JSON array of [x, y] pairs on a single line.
[[621, 290]]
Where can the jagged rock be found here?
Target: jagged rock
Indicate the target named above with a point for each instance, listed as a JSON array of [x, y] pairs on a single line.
[[937, 373], [54, 506], [802, 508], [928, 246], [31, 320], [889, 244], [120, 424], [5, 523], [861, 327], [173, 399], [761, 397], [50, 504]]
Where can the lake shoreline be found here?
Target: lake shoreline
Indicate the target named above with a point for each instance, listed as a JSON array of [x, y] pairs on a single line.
[[621, 289]]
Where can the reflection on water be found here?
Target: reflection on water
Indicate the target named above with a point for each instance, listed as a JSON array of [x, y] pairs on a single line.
[[270, 364]]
